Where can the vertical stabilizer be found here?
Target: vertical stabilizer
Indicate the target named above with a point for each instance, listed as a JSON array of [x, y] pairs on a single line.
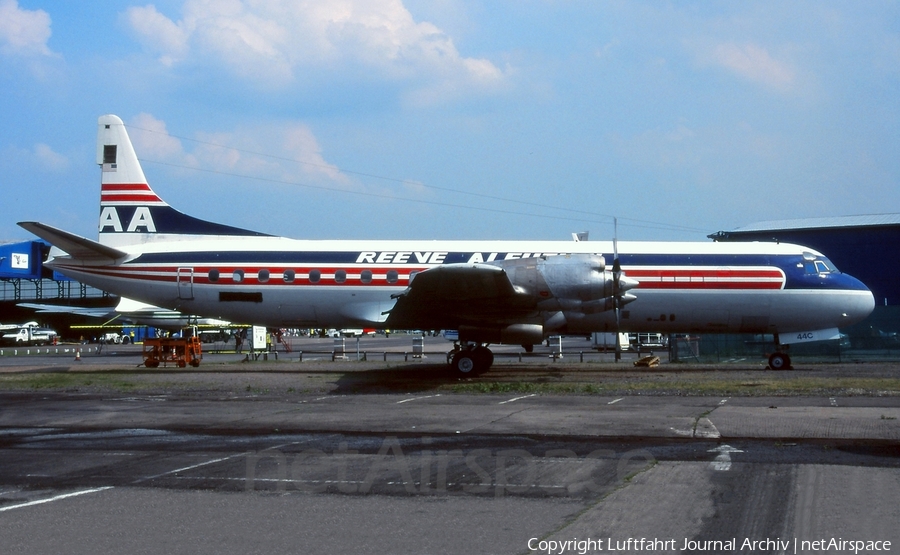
[[130, 212], [117, 157]]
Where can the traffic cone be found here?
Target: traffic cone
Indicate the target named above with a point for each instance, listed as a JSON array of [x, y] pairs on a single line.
[[77, 354]]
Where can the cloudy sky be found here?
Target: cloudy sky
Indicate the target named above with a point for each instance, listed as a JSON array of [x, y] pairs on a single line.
[[455, 118]]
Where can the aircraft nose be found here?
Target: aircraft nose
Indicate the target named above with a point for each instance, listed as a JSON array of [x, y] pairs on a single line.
[[864, 306], [859, 303]]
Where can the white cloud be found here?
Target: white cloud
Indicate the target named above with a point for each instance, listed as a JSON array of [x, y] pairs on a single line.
[[300, 143], [49, 159], [705, 156], [152, 140], [278, 42], [283, 152], [158, 32], [754, 63], [23, 32], [39, 158]]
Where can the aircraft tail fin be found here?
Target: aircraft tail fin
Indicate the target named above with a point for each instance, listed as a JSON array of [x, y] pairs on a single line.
[[130, 211]]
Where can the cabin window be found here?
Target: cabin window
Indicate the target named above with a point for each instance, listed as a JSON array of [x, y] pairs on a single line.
[[366, 276], [392, 276], [315, 276], [288, 276], [340, 276], [214, 275], [237, 276], [263, 276]]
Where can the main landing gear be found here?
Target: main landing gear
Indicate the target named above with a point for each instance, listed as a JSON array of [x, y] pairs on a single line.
[[780, 360], [470, 360]]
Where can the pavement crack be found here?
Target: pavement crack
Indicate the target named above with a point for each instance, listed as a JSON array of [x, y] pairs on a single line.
[[703, 426]]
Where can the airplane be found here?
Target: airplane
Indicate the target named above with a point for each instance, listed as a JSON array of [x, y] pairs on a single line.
[[513, 292], [130, 311]]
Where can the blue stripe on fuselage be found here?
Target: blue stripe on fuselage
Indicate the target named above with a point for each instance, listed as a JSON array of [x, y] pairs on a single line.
[[351, 257], [791, 265]]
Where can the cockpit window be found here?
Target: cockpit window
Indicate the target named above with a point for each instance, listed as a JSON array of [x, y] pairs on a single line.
[[818, 265]]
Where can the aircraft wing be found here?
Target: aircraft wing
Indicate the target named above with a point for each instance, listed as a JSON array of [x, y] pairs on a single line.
[[448, 296]]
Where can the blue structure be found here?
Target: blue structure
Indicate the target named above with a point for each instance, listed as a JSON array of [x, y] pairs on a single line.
[[21, 260]]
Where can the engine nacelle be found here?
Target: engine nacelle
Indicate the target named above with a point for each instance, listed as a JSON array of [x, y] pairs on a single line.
[[575, 276], [571, 282]]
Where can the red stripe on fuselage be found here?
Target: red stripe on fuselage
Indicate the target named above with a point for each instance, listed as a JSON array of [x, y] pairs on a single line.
[[648, 278], [718, 278], [200, 275]]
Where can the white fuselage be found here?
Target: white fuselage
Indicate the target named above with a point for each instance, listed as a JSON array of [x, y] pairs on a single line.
[[280, 282]]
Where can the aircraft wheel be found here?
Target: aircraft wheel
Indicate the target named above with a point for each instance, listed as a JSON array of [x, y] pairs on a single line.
[[195, 363], [779, 361], [528, 348], [464, 363], [151, 363]]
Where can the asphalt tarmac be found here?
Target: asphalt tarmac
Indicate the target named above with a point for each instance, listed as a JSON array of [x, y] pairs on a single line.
[[265, 457]]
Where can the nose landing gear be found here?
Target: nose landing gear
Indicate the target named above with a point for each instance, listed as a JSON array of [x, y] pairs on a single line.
[[780, 360]]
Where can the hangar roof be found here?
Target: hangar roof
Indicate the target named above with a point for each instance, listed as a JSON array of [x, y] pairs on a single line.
[[834, 221]]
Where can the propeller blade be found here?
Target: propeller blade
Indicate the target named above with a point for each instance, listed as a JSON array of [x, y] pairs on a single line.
[[617, 275]]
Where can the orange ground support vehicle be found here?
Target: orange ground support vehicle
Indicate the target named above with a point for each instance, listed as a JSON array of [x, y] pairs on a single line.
[[181, 351]]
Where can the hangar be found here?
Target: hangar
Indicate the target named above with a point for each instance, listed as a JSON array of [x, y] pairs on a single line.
[[23, 278]]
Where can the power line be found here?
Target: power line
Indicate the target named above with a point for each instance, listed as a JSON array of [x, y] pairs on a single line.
[[645, 224], [379, 195]]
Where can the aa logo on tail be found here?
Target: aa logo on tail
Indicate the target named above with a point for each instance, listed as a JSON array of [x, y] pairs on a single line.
[[141, 220]]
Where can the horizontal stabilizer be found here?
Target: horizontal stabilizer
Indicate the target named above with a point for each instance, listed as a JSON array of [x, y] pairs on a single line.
[[78, 247], [90, 311]]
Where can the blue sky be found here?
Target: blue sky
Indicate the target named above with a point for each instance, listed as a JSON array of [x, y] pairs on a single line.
[[455, 119]]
